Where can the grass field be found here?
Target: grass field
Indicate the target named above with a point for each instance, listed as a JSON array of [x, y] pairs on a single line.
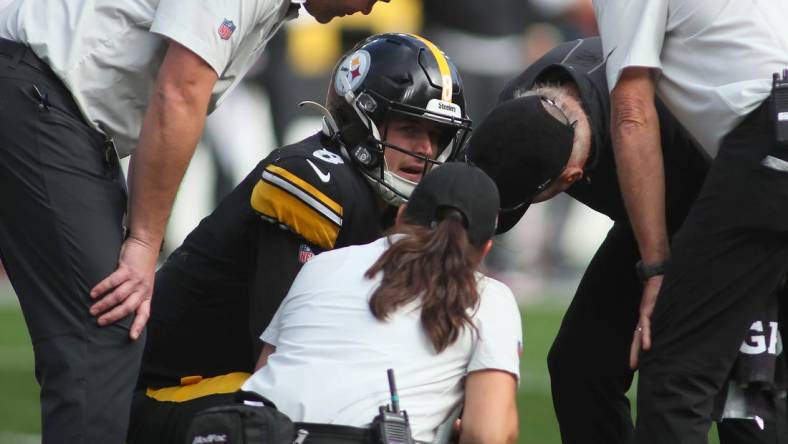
[[19, 416]]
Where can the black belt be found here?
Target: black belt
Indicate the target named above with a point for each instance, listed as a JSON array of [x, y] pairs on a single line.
[[334, 434]]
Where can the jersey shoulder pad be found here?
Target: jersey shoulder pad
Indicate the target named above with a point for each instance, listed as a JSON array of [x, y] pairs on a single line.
[[302, 188]]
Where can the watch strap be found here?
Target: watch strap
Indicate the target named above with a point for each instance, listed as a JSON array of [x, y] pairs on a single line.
[[647, 271]]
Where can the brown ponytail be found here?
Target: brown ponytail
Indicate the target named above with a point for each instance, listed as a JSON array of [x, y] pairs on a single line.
[[436, 265]]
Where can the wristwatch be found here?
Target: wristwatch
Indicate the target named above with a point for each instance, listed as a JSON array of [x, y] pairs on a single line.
[[648, 271]]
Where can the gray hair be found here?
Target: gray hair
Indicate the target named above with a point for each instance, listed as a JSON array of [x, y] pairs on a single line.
[[571, 109]]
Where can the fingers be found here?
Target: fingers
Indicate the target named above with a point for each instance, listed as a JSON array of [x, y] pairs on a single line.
[[128, 289], [645, 338], [143, 313], [634, 350], [129, 297], [641, 340], [117, 296], [113, 280], [119, 311]]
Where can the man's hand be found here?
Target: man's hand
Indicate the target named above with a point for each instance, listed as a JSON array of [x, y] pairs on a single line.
[[641, 339], [129, 288]]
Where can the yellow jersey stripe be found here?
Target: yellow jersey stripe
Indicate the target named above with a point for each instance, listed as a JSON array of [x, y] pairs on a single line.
[[443, 66], [228, 383], [305, 220], [328, 212], [306, 186]]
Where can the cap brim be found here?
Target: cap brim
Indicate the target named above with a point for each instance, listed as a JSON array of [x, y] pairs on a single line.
[[508, 219]]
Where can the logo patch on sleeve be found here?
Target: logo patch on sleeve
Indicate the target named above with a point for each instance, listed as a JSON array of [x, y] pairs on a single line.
[[305, 253], [226, 29]]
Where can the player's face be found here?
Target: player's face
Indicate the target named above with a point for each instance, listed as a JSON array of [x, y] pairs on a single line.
[[325, 10], [415, 135]]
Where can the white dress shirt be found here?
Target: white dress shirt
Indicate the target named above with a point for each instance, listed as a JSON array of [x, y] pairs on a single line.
[[714, 58], [108, 52]]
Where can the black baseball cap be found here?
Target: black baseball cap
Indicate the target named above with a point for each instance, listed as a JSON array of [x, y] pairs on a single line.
[[523, 148], [463, 187]]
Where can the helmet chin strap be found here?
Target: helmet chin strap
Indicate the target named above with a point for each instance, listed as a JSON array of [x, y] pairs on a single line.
[[396, 190], [447, 151], [393, 189], [399, 187]]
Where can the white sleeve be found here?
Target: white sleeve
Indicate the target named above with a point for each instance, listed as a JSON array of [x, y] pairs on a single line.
[[271, 333], [632, 33], [212, 29], [499, 344]]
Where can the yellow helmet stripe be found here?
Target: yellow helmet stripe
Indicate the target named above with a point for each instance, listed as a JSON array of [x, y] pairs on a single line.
[[443, 66]]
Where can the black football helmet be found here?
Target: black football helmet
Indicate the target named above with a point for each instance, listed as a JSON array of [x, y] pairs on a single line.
[[387, 75]]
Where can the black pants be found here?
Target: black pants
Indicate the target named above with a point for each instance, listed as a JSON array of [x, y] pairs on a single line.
[[61, 209], [589, 360], [726, 261]]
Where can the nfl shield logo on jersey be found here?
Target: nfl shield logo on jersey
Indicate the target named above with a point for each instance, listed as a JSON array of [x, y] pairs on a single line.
[[305, 253], [226, 29]]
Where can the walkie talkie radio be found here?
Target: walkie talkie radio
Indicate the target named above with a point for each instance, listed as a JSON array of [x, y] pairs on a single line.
[[779, 107], [392, 426]]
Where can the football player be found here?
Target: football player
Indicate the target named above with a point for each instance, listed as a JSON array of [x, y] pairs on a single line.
[[394, 109]]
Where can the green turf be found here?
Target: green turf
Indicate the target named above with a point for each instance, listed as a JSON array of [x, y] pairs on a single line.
[[18, 388], [19, 396], [537, 421]]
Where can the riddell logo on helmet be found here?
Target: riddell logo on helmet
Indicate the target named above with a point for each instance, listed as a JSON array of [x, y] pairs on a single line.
[[208, 439]]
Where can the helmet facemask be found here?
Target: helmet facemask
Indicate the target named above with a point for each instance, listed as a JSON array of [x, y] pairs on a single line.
[[371, 152]]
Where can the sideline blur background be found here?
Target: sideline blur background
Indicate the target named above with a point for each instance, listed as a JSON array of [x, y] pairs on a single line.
[[490, 41]]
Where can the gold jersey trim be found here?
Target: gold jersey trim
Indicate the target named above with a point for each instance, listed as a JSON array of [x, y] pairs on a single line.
[[194, 387], [285, 197]]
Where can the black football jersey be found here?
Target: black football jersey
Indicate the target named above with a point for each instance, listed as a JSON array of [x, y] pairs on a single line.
[[217, 292]]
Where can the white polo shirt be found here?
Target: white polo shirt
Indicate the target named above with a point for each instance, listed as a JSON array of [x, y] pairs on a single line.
[[108, 52], [715, 57], [332, 354]]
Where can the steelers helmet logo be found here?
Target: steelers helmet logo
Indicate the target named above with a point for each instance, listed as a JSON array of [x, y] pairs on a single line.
[[351, 72]]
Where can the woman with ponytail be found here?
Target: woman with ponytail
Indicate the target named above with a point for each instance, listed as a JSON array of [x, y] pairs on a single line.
[[412, 301]]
